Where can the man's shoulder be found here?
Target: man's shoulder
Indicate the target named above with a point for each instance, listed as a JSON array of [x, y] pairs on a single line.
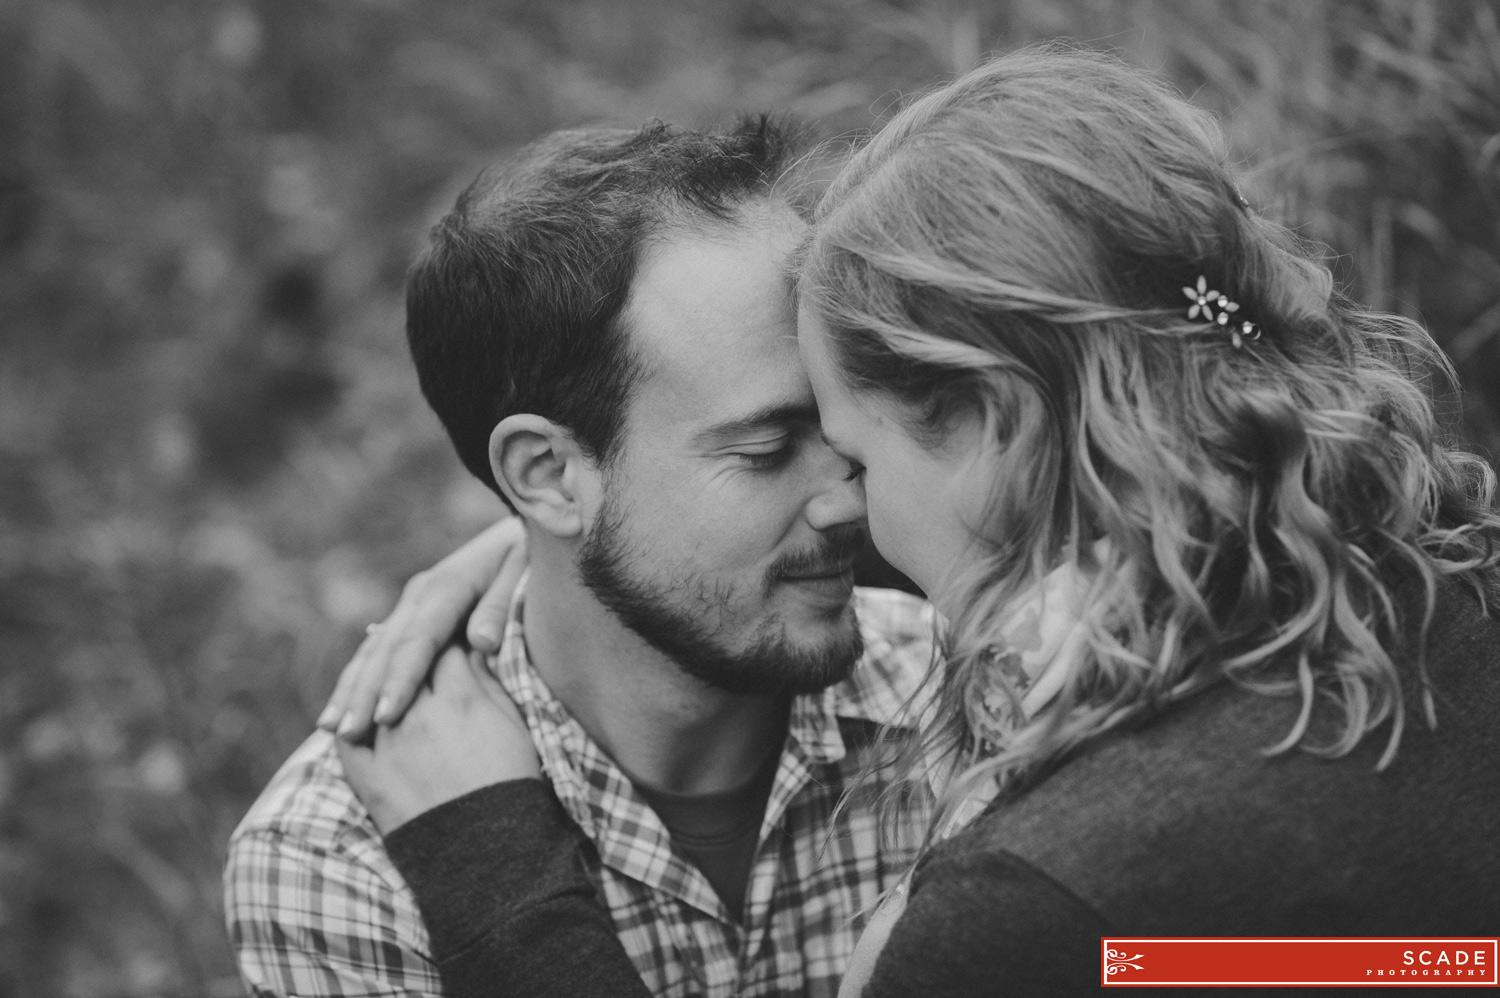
[[313, 904], [309, 804]]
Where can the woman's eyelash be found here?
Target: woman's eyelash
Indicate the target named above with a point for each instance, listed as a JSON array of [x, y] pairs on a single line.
[[855, 470]]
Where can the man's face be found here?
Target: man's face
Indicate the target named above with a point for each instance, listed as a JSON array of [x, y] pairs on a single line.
[[728, 529]]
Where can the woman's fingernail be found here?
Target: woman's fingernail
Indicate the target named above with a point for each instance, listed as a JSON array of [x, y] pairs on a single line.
[[347, 726], [382, 710], [328, 717], [486, 640]]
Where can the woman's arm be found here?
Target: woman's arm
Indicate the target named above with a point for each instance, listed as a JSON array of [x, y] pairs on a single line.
[[501, 878], [499, 871]]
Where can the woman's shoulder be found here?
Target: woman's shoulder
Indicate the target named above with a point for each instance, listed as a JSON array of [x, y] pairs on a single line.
[[1462, 635], [1187, 821], [981, 921]]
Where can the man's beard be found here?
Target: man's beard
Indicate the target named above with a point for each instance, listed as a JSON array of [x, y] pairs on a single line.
[[771, 665]]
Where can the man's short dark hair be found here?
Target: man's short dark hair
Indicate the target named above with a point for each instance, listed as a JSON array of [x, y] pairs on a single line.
[[514, 304]]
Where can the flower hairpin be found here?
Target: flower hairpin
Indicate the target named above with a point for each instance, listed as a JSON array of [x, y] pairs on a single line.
[[1216, 308]]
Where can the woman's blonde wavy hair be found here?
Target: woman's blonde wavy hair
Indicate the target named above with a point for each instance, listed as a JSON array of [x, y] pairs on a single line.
[[1015, 244]]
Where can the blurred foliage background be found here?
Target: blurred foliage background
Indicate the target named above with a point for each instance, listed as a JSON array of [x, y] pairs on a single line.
[[215, 466]]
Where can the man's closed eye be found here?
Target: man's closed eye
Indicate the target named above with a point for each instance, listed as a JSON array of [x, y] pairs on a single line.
[[768, 458]]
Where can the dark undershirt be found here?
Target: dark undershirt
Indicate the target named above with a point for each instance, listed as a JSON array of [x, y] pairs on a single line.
[[718, 832]]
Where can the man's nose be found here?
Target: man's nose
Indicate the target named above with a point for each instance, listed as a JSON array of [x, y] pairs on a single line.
[[840, 499]]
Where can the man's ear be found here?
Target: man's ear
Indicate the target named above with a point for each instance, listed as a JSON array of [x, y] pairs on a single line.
[[544, 473]]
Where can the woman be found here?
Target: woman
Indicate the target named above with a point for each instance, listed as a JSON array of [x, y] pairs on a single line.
[[1217, 660]]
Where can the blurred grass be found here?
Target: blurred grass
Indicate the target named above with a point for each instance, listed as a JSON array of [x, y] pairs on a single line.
[[214, 463]]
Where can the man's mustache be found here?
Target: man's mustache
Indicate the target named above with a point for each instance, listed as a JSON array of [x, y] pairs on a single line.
[[833, 552]]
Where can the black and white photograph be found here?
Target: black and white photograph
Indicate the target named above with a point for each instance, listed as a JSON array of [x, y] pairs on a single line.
[[748, 498]]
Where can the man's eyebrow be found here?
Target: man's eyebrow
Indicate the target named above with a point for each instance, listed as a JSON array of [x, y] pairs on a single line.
[[774, 414]]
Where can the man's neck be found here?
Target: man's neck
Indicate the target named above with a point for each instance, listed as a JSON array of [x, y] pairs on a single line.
[[666, 729]]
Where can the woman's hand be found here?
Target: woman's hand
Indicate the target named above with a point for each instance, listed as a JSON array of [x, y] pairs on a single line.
[[476, 581], [462, 734]]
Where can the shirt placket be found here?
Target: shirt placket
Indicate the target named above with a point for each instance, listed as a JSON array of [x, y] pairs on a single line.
[[813, 741], [635, 845]]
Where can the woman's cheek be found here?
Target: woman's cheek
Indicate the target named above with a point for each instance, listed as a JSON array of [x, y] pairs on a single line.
[[895, 539]]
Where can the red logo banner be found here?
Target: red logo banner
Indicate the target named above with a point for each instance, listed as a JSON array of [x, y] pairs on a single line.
[[1257, 961]]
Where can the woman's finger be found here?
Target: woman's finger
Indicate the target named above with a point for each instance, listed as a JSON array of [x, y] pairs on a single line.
[[412, 660], [362, 705], [432, 606], [487, 621], [338, 701], [363, 708], [421, 624]]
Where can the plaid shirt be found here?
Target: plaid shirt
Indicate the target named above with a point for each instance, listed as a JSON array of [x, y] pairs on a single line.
[[315, 907]]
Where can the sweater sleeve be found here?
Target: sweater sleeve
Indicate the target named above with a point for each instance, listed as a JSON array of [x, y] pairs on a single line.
[[502, 881], [988, 923]]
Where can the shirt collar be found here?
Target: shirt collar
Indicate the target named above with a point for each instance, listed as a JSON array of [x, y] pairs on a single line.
[[879, 690], [883, 688]]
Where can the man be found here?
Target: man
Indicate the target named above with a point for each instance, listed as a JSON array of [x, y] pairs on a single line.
[[605, 327]]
